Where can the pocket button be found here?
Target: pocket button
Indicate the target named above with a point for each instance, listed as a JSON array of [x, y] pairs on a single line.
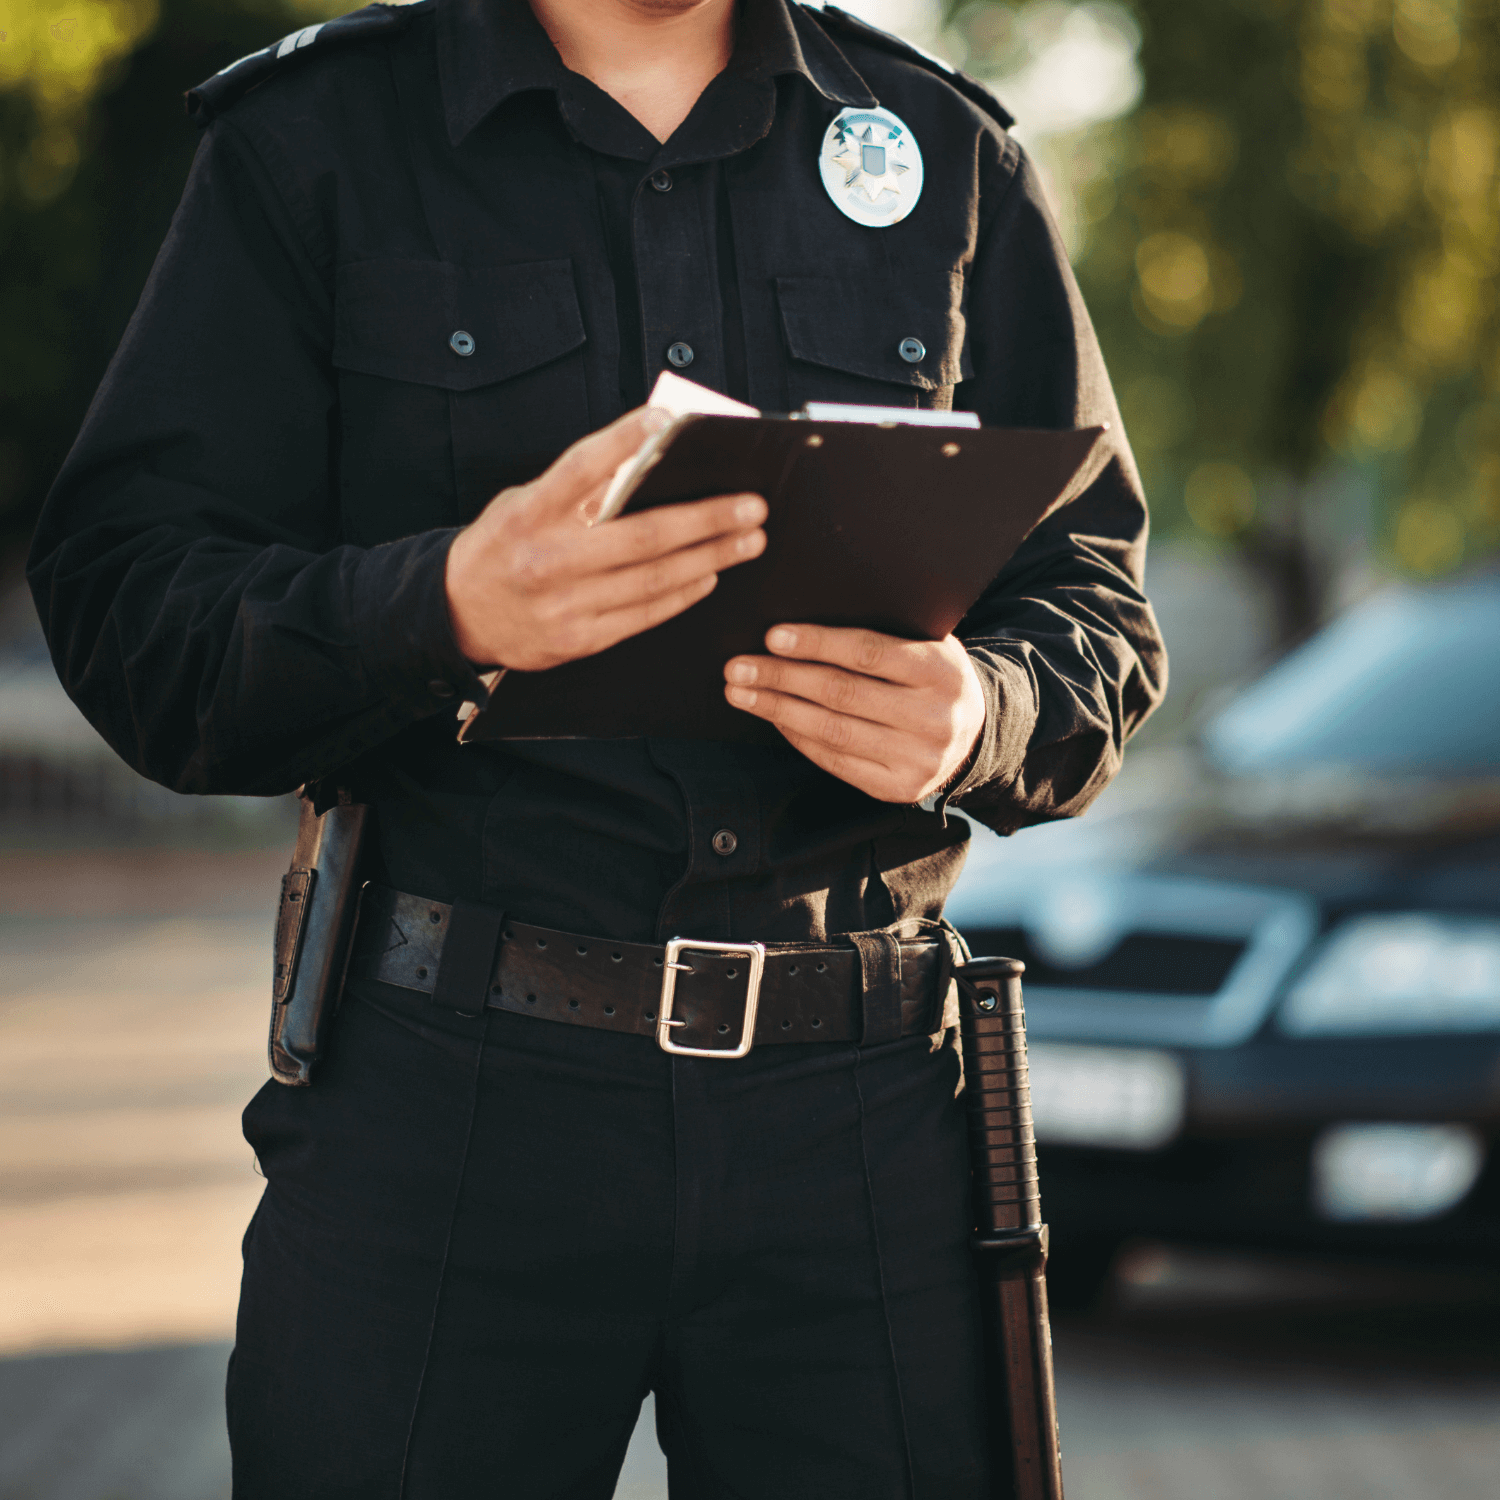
[[680, 355], [462, 343], [913, 351]]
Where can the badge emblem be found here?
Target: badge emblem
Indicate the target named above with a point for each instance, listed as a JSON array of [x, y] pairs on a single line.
[[871, 167]]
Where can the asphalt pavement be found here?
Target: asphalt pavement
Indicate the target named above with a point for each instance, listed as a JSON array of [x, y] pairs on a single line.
[[132, 1025]]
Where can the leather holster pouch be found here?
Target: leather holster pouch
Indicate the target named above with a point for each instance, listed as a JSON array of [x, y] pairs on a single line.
[[314, 934]]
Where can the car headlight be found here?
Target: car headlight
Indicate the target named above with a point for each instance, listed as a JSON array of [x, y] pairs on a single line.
[[1401, 972]]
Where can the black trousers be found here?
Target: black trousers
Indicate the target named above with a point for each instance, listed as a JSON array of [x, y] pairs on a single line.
[[482, 1242]]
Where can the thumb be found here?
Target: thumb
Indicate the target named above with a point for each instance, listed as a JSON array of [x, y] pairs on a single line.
[[591, 462]]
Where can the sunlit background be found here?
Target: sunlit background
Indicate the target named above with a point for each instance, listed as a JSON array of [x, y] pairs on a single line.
[[1264, 975], [1283, 213]]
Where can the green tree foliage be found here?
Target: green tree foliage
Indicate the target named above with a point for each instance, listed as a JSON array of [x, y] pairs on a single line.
[[1291, 249], [94, 149]]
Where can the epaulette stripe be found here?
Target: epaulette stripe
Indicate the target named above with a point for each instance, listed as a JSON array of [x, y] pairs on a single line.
[[259, 52], [230, 84], [971, 88], [298, 39]]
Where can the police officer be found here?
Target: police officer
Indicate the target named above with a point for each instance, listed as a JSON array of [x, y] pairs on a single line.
[[422, 252]]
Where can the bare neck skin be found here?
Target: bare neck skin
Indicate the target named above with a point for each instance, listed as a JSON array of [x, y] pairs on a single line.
[[654, 57]]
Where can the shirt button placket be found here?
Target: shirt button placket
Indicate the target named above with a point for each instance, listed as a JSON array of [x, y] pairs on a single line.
[[678, 277]]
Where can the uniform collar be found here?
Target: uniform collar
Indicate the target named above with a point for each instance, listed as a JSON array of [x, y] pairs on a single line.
[[489, 50]]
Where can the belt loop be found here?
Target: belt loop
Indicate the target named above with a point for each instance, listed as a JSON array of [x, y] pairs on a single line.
[[880, 970], [468, 962]]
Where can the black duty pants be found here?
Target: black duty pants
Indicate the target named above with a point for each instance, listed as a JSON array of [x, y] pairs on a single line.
[[482, 1242]]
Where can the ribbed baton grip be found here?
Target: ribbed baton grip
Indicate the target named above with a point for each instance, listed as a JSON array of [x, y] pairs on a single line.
[[992, 1024]]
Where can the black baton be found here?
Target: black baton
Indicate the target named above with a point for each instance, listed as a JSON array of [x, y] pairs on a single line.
[[1010, 1240]]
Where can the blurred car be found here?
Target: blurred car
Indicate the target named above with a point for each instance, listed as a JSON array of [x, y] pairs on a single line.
[[1263, 988]]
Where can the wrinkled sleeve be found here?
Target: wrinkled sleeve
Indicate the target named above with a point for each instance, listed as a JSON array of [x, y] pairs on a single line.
[[187, 567], [1064, 641]]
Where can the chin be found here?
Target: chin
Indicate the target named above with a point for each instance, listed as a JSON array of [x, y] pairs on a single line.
[[666, 10]]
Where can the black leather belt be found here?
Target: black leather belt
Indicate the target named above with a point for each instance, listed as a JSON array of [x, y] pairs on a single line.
[[717, 999]]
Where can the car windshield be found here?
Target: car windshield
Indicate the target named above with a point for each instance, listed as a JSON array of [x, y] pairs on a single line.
[[1408, 681]]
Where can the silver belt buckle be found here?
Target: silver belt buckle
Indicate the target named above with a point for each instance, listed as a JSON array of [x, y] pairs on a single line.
[[755, 953]]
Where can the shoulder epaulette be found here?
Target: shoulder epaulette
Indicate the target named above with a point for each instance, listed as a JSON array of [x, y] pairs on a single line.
[[232, 83], [971, 88]]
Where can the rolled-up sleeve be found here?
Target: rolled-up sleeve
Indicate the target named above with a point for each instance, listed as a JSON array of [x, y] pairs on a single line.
[[1065, 644], [187, 567]]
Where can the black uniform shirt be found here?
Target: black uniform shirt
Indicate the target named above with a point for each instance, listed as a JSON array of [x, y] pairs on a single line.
[[240, 569]]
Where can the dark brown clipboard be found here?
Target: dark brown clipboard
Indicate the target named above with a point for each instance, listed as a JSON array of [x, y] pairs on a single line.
[[895, 528]]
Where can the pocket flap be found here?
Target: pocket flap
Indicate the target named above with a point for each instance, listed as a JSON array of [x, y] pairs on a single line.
[[402, 319], [859, 324]]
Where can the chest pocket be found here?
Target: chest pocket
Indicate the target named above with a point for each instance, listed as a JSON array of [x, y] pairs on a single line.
[[454, 382], [872, 341]]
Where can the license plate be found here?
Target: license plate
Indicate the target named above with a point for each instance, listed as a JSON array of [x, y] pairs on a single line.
[[1126, 1098]]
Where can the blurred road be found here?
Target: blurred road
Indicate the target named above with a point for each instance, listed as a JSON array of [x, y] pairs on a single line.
[[132, 996]]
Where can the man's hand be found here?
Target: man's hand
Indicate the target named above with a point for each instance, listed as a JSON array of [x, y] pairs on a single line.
[[531, 585], [894, 718]]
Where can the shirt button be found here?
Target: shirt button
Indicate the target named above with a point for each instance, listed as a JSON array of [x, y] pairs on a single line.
[[462, 343], [680, 355], [913, 351], [725, 842], [440, 689], [662, 181]]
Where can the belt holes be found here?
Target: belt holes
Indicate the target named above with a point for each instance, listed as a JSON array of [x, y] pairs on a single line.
[[421, 973], [816, 1023], [792, 969], [615, 957], [723, 1027], [650, 1015], [531, 999], [786, 1025], [657, 962], [434, 916], [541, 942], [494, 989], [822, 967], [731, 973], [572, 1005], [583, 948], [507, 934], [609, 1010]]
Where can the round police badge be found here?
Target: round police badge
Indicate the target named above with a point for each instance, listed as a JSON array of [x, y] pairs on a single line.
[[871, 166]]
